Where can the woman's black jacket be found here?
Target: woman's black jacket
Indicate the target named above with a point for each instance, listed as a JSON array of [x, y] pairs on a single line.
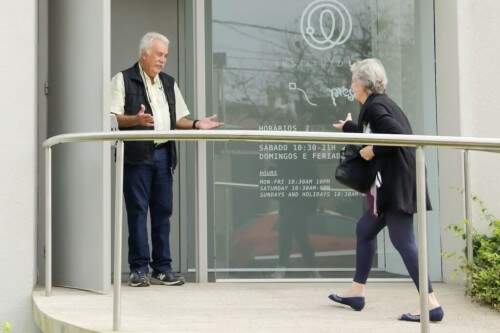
[[396, 164]]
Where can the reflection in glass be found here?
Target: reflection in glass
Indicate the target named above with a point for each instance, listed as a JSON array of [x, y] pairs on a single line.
[[277, 209]]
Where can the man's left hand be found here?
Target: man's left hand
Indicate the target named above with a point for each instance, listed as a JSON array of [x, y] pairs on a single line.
[[208, 123], [367, 153]]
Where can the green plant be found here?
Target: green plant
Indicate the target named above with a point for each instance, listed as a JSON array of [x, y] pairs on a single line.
[[483, 274], [7, 327]]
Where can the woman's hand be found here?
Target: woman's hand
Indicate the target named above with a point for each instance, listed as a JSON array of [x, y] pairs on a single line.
[[341, 123], [367, 153]]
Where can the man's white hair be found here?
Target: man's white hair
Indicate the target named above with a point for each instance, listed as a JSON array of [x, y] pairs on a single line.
[[148, 39], [371, 74]]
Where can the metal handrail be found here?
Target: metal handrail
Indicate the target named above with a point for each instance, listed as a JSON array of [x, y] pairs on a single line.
[[489, 144], [417, 141]]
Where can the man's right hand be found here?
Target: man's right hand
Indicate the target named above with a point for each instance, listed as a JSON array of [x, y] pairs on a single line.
[[144, 119]]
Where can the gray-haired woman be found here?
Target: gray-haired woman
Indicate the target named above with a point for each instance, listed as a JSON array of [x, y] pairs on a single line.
[[392, 198]]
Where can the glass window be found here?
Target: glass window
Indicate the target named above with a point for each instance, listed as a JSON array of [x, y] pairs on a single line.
[[283, 65]]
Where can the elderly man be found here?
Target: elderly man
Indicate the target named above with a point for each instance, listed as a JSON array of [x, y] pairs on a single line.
[[142, 98]]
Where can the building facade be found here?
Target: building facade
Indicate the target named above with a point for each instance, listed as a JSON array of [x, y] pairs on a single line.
[[282, 68]]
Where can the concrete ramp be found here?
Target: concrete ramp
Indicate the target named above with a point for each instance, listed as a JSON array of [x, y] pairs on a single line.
[[254, 307]]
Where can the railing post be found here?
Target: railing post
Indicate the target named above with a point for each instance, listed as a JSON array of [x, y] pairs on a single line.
[[48, 221], [422, 241], [117, 259], [468, 210], [201, 231]]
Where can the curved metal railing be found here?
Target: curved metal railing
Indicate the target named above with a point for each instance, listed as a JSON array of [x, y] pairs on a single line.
[[417, 141]]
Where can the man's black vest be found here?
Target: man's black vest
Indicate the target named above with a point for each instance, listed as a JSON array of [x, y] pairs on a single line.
[[135, 94]]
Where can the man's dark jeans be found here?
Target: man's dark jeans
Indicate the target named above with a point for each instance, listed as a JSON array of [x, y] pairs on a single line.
[[149, 186]]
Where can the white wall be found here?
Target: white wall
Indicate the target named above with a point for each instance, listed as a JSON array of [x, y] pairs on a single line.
[[467, 47], [448, 120], [479, 48], [18, 132]]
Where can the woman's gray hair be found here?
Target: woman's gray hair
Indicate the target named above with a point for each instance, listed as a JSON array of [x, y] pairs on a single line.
[[371, 74], [148, 39]]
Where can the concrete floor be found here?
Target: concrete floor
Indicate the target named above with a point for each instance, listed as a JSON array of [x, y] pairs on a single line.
[[255, 307]]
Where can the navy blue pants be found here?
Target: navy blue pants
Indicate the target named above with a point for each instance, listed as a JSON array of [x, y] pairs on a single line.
[[400, 227], [149, 186]]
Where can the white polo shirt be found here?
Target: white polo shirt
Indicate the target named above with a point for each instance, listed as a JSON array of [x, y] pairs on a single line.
[[157, 100]]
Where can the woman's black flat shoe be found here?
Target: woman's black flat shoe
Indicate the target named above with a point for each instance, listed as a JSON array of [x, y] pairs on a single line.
[[435, 315], [357, 303]]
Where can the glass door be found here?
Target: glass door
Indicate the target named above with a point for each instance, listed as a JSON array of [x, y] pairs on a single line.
[[276, 209]]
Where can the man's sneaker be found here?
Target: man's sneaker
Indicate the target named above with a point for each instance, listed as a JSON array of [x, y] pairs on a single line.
[[167, 279], [138, 279]]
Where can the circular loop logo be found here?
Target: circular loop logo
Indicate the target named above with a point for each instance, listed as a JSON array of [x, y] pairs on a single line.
[[325, 24]]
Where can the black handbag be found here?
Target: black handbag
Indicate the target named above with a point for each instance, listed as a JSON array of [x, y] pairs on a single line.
[[353, 171]]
